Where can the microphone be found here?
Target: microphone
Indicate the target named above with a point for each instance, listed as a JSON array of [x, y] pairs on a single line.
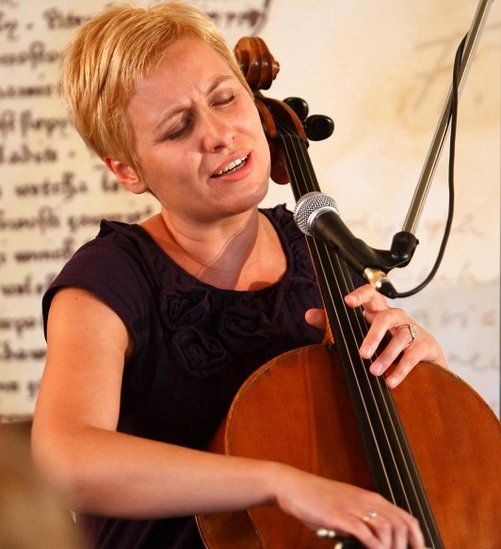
[[316, 215]]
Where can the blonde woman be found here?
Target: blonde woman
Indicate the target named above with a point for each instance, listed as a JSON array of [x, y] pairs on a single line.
[[152, 328]]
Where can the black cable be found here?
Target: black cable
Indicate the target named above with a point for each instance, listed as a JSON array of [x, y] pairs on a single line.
[[452, 155]]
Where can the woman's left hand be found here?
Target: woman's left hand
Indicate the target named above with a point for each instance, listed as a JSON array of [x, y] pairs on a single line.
[[409, 342]]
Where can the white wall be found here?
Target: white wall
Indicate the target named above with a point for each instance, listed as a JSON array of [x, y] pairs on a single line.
[[381, 70]]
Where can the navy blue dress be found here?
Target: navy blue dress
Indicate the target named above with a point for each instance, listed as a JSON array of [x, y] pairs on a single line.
[[194, 347]]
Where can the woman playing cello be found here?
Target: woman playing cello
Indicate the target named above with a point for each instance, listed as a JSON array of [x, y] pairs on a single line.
[[152, 328]]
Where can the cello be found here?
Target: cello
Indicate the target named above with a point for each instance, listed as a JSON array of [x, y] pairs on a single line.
[[432, 446]]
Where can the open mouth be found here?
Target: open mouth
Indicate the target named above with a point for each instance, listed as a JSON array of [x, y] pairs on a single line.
[[233, 166]]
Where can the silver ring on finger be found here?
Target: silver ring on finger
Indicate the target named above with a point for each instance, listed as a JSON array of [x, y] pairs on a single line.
[[326, 533], [370, 515], [412, 332]]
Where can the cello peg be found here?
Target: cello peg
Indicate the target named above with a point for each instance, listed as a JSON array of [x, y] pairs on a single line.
[[318, 127], [299, 106]]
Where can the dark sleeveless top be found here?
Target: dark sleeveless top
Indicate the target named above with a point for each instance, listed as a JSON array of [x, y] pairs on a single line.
[[194, 347]]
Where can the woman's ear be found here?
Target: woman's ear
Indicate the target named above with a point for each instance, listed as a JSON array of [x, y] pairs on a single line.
[[126, 175]]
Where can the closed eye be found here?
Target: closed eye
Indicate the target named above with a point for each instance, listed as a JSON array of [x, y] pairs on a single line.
[[225, 101], [185, 124], [179, 130]]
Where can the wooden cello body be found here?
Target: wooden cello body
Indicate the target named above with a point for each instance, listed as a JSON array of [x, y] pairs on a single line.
[[296, 409], [432, 445]]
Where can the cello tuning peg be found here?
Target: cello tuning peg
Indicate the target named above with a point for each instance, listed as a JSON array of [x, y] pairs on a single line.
[[299, 106], [318, 127]]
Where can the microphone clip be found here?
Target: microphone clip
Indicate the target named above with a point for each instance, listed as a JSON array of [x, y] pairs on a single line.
[[316, 215]]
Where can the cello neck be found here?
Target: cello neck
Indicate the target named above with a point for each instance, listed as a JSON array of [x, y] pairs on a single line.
[[394, 470]]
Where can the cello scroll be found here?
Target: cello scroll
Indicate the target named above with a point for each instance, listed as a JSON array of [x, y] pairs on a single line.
[[260, 69]]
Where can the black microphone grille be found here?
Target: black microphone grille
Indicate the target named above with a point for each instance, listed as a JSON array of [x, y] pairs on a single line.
[[309, 206]]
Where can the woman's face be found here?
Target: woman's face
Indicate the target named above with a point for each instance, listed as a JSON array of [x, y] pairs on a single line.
[[198, 136]]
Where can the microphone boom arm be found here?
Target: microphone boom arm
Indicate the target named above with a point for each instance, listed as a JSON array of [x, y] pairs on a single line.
[[374, 264], [435, 149]]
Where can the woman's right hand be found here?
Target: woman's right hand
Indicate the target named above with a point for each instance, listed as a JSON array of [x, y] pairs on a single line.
[[348, 510]]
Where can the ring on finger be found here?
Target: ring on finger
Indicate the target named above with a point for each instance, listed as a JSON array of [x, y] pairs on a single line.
[[412, 332], [370, 515], [326, 533]]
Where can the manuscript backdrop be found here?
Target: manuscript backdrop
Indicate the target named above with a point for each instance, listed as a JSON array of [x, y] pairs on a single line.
[[381, 70]]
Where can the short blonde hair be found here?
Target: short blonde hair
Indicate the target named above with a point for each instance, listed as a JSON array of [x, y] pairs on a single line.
[[110, 53]]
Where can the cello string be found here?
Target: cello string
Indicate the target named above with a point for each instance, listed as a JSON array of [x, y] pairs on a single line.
[[305, 172], [402, 458], [350, 315], [383, 391], [356, 365], [384, 395]]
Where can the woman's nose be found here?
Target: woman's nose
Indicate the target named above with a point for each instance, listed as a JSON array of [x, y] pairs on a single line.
[[216, 131]]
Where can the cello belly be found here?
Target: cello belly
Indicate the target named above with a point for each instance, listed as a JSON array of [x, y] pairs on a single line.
[[296, 409]]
